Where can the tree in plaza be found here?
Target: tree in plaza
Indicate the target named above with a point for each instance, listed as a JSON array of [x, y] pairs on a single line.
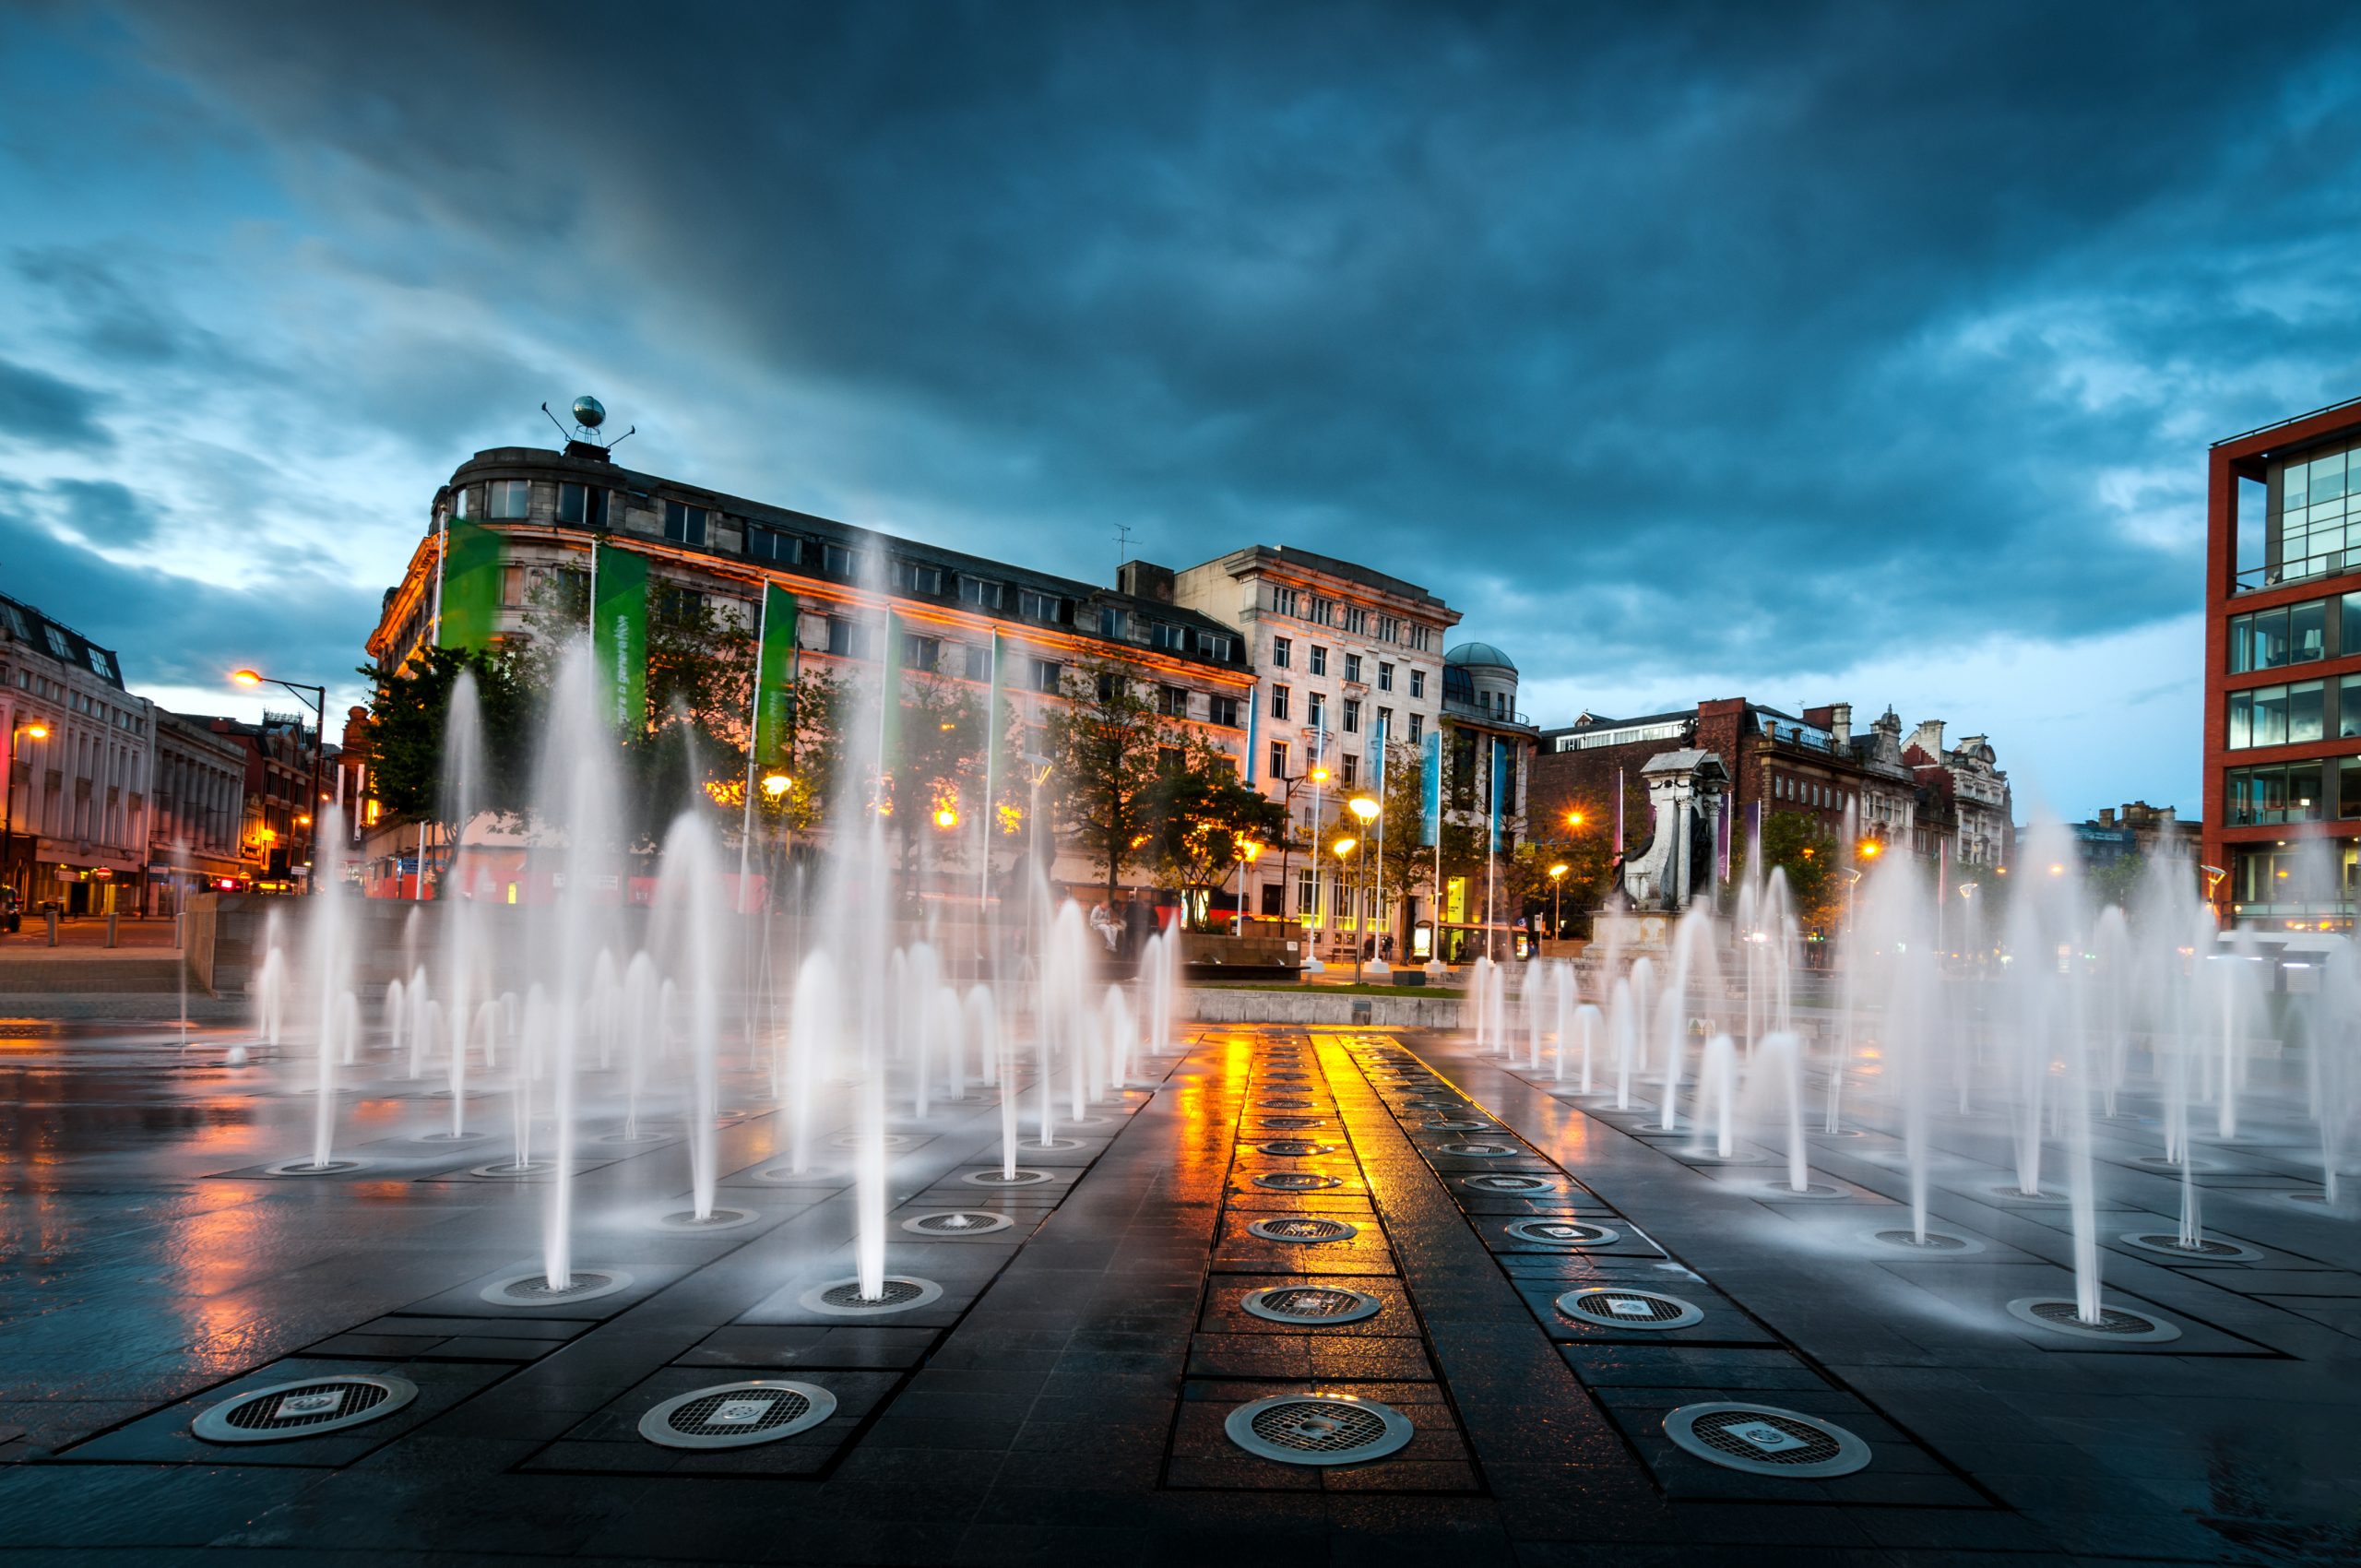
[[1204, 814], [814, 757], [936, 777], [1108, 747], [1406, 866], [410, 713], [1581, 837], [2117, 881], [1797, 843]]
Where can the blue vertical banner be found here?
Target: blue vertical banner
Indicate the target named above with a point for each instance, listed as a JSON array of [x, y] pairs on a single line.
[[1430, 784], [1500, 750], [1254, 735]]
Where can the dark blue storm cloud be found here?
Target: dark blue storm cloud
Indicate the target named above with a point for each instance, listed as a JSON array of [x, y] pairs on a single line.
[[1676, 345]]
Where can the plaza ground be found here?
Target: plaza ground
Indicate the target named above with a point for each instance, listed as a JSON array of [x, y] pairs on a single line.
[[1065, 1398]]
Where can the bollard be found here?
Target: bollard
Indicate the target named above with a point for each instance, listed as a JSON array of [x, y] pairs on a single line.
[[51, 916], [112, 918]]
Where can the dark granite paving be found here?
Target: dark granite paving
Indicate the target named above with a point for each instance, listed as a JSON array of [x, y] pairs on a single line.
[[1532, 1285]]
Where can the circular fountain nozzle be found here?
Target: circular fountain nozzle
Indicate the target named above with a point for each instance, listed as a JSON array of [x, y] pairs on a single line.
[[1318, 1429], [2119, 1324], [958, 1222], [533, 1289], [897, 1293], [1764, 1440], [1621, 1306]]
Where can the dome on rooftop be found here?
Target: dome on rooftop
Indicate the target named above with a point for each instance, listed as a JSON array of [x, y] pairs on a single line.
[[1480, 656]]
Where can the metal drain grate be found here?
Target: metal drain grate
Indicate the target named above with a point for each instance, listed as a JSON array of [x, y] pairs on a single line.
[[1286, 1104], [897, 1293], [2168, 1244], [1561, 1232], [1318, 1429], [1296, 1148], [1310, 1303], [1477, 1151], [1294, 1121], [506, 1168], [2117, 1323], [1615, 1306], [1935, 1242], [1296, 1181], [737, 1414], [1001, 1179], [1765, 1440], [958, 1222], [534, 1290], [1505, 1183], [1303, 1228], [1819, 1190], [303, 1409], [1450, 1124]]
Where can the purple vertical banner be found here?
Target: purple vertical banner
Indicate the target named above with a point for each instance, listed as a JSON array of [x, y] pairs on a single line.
[[1619, 814]]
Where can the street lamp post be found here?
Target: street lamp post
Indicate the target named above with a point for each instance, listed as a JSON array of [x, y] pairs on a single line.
[[1340, 849], [39, 731], [1317, 776], [319, 745], [1366, 809], [1247, 851], [1557, 892]]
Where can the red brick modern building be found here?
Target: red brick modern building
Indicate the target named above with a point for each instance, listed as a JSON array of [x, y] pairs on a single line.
[[2282, 672]]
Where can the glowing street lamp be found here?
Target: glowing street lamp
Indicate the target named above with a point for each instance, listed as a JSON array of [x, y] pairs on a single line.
[[1557, 891], [776, 784], [1249, 851], [39, 731]]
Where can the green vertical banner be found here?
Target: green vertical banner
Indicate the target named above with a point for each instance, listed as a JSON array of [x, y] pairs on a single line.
[[773, 747], [467, 596], [619, 636]]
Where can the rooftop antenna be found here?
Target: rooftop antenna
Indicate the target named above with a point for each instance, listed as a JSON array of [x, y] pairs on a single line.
[[1122, 544], [588, 415]]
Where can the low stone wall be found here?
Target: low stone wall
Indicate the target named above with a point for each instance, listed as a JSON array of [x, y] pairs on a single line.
[[1318, 1007]]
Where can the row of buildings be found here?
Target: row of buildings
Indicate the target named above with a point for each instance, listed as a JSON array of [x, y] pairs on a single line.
[[109, 803], [1291, 663]]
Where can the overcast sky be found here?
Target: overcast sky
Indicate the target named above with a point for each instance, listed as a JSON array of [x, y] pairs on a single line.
[[1852, 352]]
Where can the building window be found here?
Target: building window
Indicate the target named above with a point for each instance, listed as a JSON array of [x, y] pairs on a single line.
[[1319, 717], [1418, 727], [2348, 787], [1384, 676], [1045, 606], [1279, 701], [1048, 675], [2283, 793], [1217, 646], [1172, 702], [460, 503], [839, 561], [1352, 769], [1352, 716], [909, 576], [1356, 620], [1107, 685], [1111, 621], [1169, 637], [848, 639], [1319, 660], [2348, 708], [981, 594], [1287, 602], [1389, 629], [511, 499], [1222, 712], [770, 545], [1419, 637], [1352, 667], [979, 661], [581, 504], [684, 524], [1279, 759], [920, 653], [1282, 650], [1323, 611], [1418, 684], [2313, 516]]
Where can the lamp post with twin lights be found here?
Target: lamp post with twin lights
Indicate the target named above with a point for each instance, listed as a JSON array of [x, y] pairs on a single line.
[[39, 731], [309, 818]]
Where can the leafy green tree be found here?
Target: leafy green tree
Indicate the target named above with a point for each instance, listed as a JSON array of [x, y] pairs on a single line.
[[1203, 813], [2117, 881], [1107, 749], [410, 715], [1797, 843]]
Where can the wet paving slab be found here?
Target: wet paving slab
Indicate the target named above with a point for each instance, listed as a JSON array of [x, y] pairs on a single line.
[[1352, 1293]]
